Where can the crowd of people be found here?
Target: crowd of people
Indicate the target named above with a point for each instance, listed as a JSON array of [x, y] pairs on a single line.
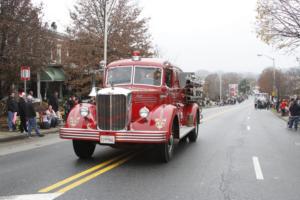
[[290, 108], [27, 113]]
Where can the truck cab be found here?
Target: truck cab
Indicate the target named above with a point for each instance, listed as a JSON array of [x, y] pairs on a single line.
[[143, 102]]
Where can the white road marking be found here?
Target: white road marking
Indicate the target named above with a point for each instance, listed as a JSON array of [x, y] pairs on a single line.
[[248, 118], [248, 128], [46, 196], [297, 143], [257, 168]]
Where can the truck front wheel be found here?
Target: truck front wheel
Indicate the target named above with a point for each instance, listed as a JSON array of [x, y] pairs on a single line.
[[83, 149], [166, 149]]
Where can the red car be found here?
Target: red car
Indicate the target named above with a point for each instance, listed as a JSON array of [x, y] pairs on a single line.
[[144, 101]]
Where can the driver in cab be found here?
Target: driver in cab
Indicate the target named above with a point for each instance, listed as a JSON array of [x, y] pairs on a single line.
[[148, 78]]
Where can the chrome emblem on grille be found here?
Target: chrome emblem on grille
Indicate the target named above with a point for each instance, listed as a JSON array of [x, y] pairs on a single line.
[[160, 123], [74, 121]]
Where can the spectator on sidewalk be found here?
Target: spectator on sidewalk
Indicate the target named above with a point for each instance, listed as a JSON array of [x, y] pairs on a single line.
[[12, 109], [77, 101], [278, 105], [51, 116], [53, 101], [31, 115], [283, 107], [30, 93], [22, 112], [296, 122], [70, 103], [293, 116]]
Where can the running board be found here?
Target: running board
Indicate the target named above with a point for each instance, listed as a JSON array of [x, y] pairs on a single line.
[[184, 130]]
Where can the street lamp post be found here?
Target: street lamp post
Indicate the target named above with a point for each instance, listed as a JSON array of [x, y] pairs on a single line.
[[274, 69]]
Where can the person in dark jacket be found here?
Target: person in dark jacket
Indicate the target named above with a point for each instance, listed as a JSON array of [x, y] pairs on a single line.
[[22, 112], [12, 109], [31, 115], [69, 105], [294, 110], [297, 114], [53, 101]]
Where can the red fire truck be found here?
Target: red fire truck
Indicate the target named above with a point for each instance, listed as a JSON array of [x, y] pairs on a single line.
[[144, 101]]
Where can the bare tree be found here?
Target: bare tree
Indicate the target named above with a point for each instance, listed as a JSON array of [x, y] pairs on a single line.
[[24, 40], [293, 81], [278, 22], [266, 82], [212, 86], [127, 31]]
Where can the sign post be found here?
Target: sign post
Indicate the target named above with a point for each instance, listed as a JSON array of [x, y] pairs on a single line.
[[25, 75]]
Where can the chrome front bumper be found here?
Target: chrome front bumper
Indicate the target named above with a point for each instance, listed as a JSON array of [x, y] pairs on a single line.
[[120, 136]]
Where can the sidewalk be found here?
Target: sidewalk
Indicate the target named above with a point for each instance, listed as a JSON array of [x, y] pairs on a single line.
[[285, 118], [6, 136]]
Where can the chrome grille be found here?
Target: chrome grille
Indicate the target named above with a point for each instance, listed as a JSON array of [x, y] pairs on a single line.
[[112, 111]]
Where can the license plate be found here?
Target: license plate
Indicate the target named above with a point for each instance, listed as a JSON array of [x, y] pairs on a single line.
[[107, 139]]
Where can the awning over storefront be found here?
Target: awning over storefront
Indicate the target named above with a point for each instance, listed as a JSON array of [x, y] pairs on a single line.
[[52, 74]]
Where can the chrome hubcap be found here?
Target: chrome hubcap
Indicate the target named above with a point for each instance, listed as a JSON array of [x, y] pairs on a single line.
[[170, 144]]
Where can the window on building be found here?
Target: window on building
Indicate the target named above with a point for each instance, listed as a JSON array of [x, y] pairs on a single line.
[[58, 54]]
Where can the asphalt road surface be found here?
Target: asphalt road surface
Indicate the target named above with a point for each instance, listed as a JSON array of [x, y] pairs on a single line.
[[241, 154]]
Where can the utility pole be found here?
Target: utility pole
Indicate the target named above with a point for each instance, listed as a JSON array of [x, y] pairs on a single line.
[[274, 72], [274, 76], [105, 33]]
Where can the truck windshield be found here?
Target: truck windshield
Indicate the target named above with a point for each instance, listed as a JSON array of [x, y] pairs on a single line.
[[142, 76], [119, 75], [147, 76]]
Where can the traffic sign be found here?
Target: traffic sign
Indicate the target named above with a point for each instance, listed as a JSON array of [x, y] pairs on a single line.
[[25, 73]]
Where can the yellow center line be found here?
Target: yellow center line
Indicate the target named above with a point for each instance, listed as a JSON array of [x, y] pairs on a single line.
[[95, 174], [76, 176]]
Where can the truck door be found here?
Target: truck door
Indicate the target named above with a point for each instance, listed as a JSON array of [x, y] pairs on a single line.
[[172, 82], [178, 98], [169, 85], [173, 92]]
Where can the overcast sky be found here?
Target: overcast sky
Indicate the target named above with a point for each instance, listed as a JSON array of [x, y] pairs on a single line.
[[214, 35]]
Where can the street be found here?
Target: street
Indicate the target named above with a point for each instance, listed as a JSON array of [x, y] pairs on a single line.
[[241, 153]]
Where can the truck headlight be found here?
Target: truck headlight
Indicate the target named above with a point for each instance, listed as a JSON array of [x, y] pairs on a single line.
[[84, 111], [144, 112]]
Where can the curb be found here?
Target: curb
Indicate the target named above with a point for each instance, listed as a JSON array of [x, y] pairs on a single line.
[[11, 138], [279, 115], [23, 136]]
